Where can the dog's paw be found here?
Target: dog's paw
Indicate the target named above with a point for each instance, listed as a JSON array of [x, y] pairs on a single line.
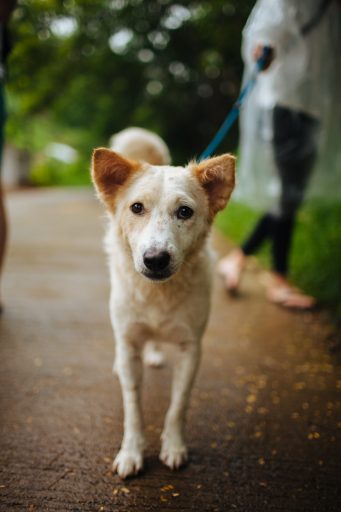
[[173, 454], [153, 357], [128, 463]]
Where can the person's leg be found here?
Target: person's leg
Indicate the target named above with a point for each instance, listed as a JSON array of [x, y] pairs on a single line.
[[295, 143], [283, 228], [231, 266], [280, 290], [295, 154], [262, 231]]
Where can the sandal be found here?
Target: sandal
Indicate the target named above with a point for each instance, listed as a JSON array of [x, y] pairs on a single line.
[[290, 297]]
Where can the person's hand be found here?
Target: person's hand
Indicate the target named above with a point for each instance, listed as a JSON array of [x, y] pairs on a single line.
[[258, 52]]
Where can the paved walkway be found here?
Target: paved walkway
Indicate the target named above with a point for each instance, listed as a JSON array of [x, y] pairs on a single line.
[[264, 424]]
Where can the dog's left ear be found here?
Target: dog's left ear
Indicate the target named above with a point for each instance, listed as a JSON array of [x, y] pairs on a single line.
[[217, 177], [109, 172]]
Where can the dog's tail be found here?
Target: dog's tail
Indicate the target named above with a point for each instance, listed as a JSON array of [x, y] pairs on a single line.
[[141, 145]]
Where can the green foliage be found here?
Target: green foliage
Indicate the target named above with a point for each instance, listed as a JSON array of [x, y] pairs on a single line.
[[101, 65], [316, 250], [49, 171]]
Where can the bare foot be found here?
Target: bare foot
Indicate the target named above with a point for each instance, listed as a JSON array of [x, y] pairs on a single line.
[[283, 293], [231, 267]]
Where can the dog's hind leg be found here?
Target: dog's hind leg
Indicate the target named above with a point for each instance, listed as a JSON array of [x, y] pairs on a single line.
[[173, 450], [153, 355], [129, 460]]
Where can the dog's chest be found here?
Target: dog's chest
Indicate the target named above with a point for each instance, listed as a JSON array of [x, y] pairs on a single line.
[[170, 317]]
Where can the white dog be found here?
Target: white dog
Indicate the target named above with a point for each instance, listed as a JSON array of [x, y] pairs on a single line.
[[160, 267]]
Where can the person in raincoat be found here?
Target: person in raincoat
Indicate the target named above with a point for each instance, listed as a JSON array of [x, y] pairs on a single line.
[[290, 127]]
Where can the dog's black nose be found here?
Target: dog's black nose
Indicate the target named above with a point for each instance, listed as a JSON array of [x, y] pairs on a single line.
[[156, 260]]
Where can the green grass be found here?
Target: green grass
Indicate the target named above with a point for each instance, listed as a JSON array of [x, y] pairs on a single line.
[[316, 250]]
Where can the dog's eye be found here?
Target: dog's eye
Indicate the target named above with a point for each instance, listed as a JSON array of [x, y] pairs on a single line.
[[137, 208], [184, 212]]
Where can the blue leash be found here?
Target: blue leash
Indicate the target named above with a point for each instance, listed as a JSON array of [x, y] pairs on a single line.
[[234, 112]]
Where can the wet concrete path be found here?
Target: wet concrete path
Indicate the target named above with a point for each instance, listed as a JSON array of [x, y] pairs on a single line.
[[264, 424]]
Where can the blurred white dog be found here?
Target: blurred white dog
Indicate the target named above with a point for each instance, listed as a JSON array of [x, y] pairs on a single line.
[[142, 145], [160, 267]]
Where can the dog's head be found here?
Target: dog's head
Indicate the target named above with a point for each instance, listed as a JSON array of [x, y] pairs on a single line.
[[163, 213]]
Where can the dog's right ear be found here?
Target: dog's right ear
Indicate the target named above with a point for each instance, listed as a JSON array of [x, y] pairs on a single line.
[[109, 172]]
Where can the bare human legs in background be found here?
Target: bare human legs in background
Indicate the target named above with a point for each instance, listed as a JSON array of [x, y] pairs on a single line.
[[279, 289]]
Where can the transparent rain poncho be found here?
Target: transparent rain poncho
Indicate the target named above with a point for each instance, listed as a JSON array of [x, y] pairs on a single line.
[[303, 77]]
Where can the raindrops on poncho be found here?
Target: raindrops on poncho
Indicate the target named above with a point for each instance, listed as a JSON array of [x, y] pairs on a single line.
[[303, 77]]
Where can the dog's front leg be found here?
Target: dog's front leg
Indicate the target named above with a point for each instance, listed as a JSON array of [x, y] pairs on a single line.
[[174, 451], [129, 460]]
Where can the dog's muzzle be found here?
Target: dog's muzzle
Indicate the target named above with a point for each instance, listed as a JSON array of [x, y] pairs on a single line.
[[156, 264]]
